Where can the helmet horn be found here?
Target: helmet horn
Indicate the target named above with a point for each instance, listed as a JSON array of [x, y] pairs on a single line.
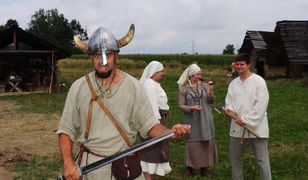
[[127, 38], [81, 45]]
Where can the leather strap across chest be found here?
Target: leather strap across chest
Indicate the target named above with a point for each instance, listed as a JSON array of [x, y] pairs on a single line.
[[105, 109]]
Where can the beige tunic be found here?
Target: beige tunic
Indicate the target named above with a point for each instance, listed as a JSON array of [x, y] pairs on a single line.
[[128, 104]]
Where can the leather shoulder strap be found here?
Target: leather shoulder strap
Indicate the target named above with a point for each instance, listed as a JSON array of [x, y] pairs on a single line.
[[108, 113], [94, 98], [114, 121]]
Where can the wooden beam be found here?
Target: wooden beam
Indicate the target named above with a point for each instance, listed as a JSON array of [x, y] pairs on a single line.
[[24, 52], [52, 71], [14, 40]]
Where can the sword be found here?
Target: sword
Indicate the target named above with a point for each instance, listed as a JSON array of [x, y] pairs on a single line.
[[93, 166], [219, 108]]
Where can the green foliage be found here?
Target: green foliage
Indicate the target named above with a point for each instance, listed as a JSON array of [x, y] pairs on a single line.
[[39, 168], [182, 58], [175, 59], [229, 49], [9, 23], [53, 27]]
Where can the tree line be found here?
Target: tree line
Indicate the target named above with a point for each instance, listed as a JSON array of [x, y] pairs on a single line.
[[53, 27]]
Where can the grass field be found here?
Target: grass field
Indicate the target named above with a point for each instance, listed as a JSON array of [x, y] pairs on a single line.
[[287, 112]]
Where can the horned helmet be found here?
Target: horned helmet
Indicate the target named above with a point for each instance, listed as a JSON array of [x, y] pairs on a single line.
[[103, 40]]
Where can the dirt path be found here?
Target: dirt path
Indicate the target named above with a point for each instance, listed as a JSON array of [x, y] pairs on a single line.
[[23, 135]]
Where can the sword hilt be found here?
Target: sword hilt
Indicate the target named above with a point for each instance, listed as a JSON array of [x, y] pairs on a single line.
[[60, 177]]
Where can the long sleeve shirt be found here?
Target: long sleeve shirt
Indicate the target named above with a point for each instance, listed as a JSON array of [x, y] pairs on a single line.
[[249, 99], [157, 96]]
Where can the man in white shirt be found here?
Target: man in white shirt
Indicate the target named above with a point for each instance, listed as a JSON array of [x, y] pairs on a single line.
[[248, 97]]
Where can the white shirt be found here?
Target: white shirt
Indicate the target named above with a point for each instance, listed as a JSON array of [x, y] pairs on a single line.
[[156, 95], [250, 100]]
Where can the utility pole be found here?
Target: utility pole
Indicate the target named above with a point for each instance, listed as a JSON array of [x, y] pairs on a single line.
[[193, 47]]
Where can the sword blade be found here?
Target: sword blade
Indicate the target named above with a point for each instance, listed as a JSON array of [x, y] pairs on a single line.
[[91, 167]]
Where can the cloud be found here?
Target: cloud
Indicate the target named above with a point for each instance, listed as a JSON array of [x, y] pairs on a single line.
[[172, 26]]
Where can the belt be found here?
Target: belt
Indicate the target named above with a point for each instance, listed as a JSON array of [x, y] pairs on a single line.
[[163, 112], [83, 149]]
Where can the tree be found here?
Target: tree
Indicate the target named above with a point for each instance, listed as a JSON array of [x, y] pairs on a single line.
[[78, 30], [9, 23], [229, 49], [53, 27]]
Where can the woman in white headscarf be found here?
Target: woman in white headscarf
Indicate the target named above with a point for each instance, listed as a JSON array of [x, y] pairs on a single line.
[[155, 159], [195, 97]]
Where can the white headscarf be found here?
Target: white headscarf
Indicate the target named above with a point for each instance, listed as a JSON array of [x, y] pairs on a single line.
[[190, 70], [152, 68]]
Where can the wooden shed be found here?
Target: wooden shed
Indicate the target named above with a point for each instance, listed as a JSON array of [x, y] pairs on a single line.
[[285, 50], [256, 43], [294, 38], [28, 63]]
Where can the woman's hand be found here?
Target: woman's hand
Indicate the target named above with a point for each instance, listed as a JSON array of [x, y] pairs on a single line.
[[211, 85], [196, 108]]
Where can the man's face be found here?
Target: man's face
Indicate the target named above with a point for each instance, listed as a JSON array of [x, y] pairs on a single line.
[[242, 66], [104, 71]]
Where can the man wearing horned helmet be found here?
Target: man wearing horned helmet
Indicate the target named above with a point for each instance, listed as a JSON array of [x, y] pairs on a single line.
[[84, 121]]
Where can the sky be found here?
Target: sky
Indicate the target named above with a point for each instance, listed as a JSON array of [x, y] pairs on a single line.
[[167, 26]]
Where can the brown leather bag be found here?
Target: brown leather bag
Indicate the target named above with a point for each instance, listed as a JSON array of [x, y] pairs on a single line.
[[127, 167]]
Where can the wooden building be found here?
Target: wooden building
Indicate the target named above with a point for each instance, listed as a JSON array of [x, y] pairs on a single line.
[[256, 43], [294, 38], [284, 50], [27, 63]]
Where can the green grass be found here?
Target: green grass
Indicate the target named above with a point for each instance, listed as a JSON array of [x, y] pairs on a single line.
[[287, 112], [39, 168], [38, 103]]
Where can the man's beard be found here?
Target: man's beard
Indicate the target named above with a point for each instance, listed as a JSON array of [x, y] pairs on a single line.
[[103, 75]]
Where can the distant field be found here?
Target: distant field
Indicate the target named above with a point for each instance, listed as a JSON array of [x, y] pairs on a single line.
[[207, 59], [287, 114]]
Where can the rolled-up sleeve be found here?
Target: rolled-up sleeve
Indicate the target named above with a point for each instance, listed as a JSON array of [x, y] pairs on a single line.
[[151, 92], [143, 114], [70, 119], [182, 100]]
